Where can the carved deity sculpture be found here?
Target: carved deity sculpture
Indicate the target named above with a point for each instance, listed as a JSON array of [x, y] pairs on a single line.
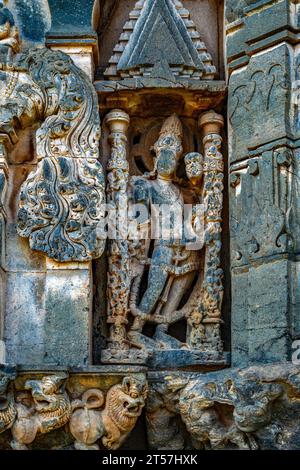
[[170, 258], [172, 265]]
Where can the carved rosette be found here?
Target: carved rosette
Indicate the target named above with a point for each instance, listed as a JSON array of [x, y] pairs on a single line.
[[118, 282], [61, 202], [212, 287]]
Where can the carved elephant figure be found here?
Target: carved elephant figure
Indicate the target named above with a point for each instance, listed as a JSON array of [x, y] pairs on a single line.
[[46, 408], [112, 424]]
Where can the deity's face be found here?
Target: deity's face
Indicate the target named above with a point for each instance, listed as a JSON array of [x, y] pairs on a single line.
[[168, 149]]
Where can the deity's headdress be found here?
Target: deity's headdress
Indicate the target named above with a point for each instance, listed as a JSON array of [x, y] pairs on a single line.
[[173, 126]]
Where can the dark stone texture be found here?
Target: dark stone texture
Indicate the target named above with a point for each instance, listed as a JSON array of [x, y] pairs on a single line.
[[160, 38], [258, 104], [33, 19], [251, 408], [261, 207], [260, 314], [71, 18]]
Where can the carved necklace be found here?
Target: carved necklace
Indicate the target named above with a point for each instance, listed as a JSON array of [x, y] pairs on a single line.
[[169, 191]]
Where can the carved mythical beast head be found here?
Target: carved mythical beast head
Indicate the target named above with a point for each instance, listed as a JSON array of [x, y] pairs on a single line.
[[125, 401]]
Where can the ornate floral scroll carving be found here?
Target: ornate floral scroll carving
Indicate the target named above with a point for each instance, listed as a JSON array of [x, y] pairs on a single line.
[[45, 408], [61, 202], [123, 405]]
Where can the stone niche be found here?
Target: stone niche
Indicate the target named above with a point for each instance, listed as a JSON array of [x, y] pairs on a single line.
[[148, 97]]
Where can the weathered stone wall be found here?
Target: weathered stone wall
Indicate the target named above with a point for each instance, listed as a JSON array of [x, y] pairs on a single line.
[[131, 341]]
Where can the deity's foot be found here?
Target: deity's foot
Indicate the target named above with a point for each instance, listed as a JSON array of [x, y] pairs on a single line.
[[16, 445]]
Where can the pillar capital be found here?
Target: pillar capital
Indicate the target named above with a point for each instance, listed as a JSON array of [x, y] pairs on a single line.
[[117, 121], [211, 122]]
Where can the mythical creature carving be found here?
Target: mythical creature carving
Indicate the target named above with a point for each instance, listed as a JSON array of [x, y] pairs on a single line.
[[232, 408], [44, 409], [112, 424], [7, 404], [61, 202]]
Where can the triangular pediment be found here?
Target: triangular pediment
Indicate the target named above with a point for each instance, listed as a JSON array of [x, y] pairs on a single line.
[[161, 41]]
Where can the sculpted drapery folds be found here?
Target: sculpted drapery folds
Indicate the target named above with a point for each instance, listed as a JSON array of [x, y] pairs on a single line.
[[61, 201]]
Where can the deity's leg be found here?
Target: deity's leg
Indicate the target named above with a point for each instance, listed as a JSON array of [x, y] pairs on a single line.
[[180, 286], [162, 255]]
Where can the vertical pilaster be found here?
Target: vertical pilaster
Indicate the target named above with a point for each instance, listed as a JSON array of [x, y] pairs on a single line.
[[72, 283], [118, 282], [263, 140], [211, 125]]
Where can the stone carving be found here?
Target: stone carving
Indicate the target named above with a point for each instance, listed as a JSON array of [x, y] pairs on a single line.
[[235, 9], [251, 408], [123, 405], [271, 214], [44, 409], [9, 35], [119, 265], [165, 429], [156, 276], [43, 405], [264, 84], [7, 406], [156, 22], [61, 202]]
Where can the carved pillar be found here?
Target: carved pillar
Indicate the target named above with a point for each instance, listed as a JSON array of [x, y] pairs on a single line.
[[211, 124], [3, 190], [119, 262], [263, 120]]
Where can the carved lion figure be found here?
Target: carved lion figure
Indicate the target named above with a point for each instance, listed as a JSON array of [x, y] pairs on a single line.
[[123, 405], [46, 408]]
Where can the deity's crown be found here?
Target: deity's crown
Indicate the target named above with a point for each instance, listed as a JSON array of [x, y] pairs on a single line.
[[172, 126]]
